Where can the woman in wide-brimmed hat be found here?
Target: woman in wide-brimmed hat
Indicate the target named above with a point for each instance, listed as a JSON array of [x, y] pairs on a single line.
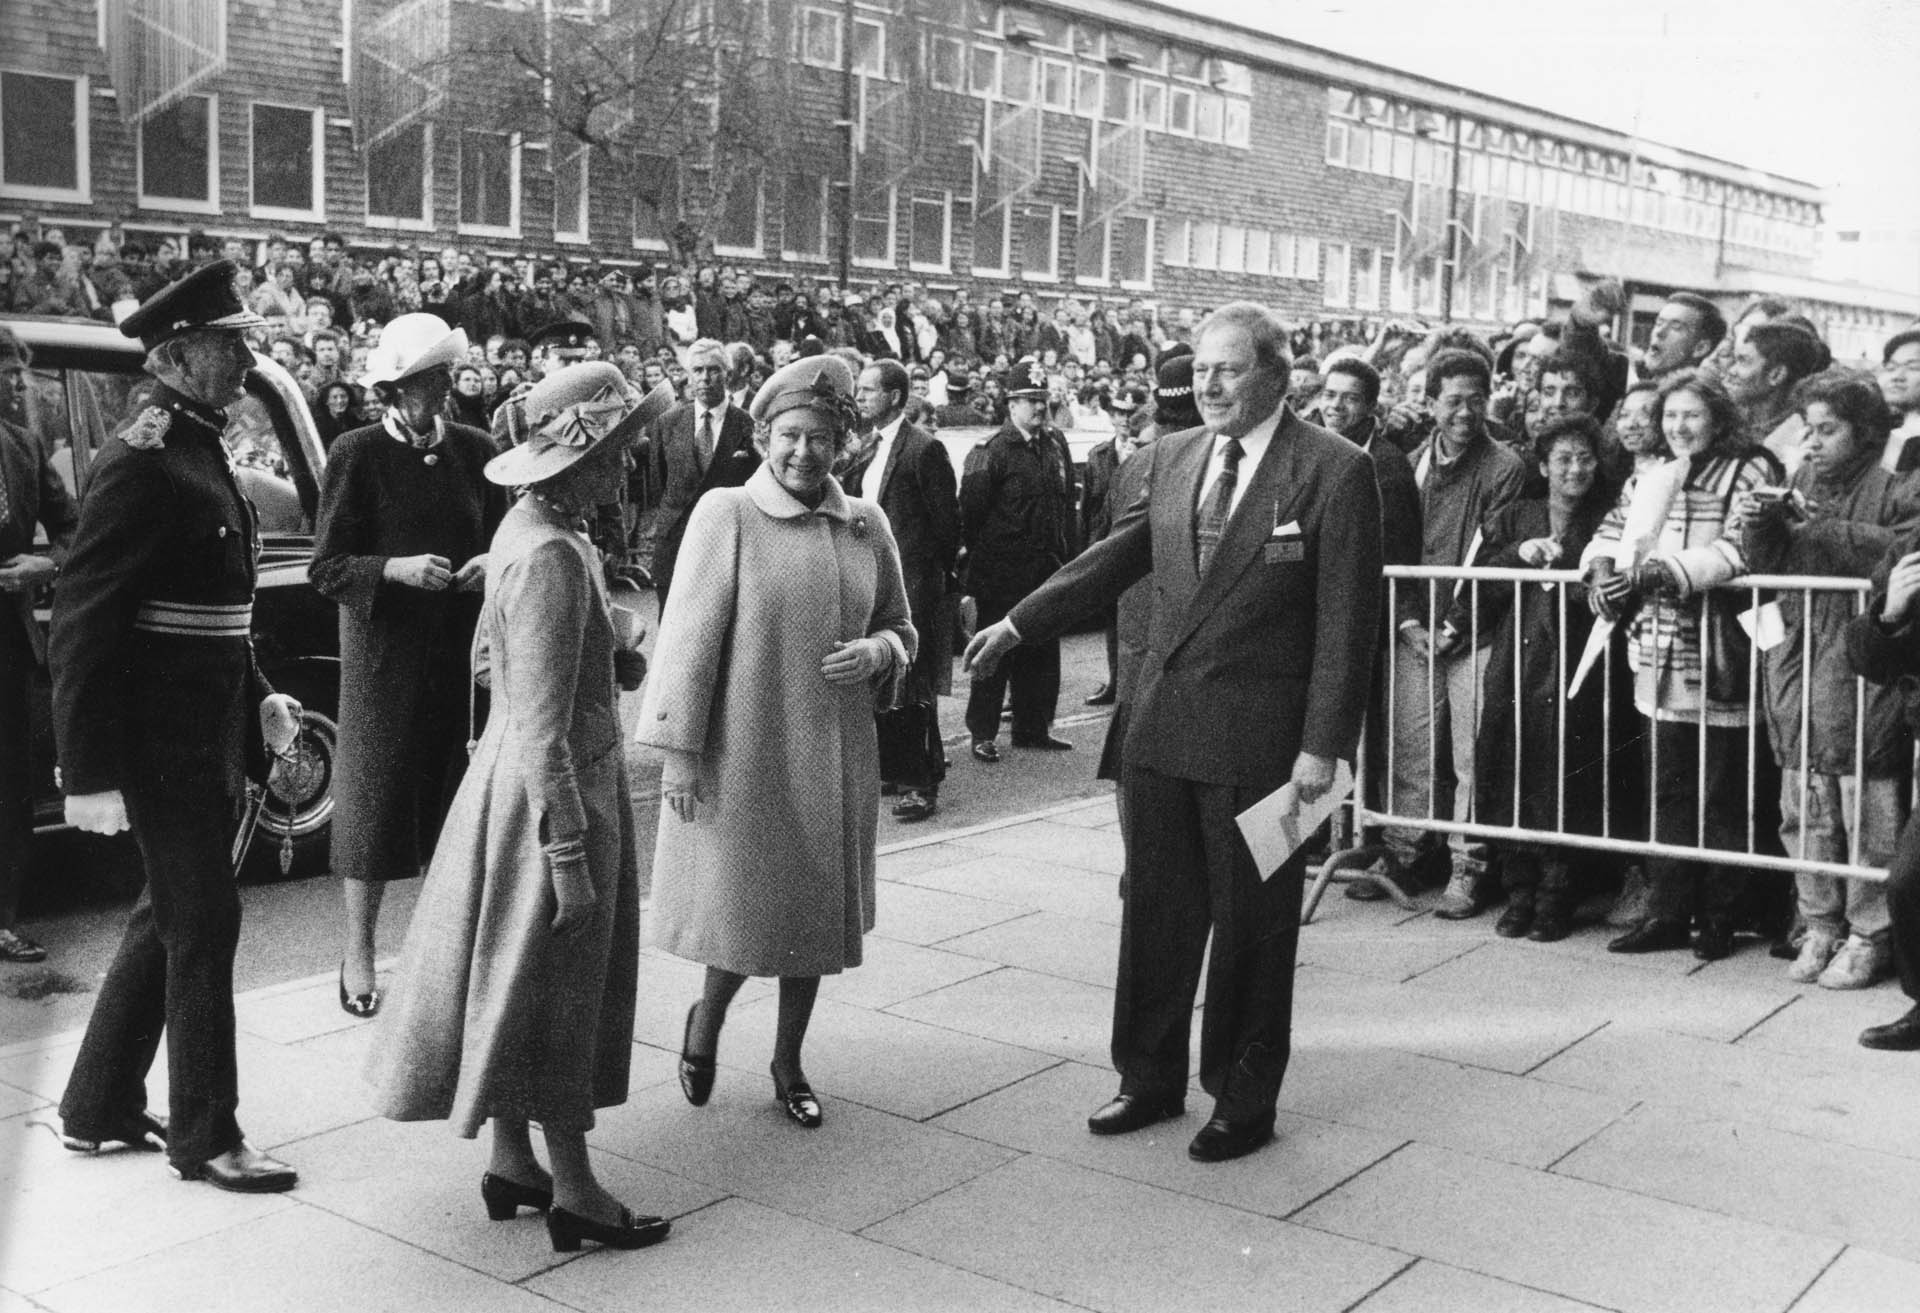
[[786, 624], [515, 997]]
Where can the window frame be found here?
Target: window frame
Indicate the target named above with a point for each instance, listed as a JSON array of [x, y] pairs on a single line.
[[959, 47], [634, 238], [1242, 139], [177, 204], [422, 222], [1064, 105], [1200, 129], [1080, 277], [807, 14], [879, 68], [758, 249], [82, 191], [1177, 237], [1095, 106], [1337, 128], [1027, 273], [583, 235], [516, 196], [944, 199], [1338, 293], [317, 145], [788, 251], [974, 55], [1153, 236], [1174, 96], [1005, 214], [892, 260], [1143, 90], [1366, 278]]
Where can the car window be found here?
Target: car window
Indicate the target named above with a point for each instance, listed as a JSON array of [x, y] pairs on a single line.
[[262, 467], [73, 411]]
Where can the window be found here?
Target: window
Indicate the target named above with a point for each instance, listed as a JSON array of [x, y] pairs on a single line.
[[873, 230], [1119, 101], [1017, 72], [1180, 111], [985, 74], [1090, 255], [1366, 278], [1337, 278], [1174, 243], [1426, 285], [930, 233], [1259, 250], [656, 199], [1336, 143], [1040, 242], [1239, 127], [399, 179], [1232, 76], [1130, 258], [947, 66], [570, 193], [43, 138], [1283, 252], [1088, 93], [738, 232], [1206, 244], [1403, 158], [869, 47], [1153, 105], [490, 183], [1207, 121], [179, 157], [1380, 151], [820, 38], [1056, 85], [804, 225], [286, 153], [1359, 148], [990, 242]]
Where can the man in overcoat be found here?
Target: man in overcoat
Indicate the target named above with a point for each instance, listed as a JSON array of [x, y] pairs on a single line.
[[1262, 537], [160, 716], [706, 442], [907, 470]]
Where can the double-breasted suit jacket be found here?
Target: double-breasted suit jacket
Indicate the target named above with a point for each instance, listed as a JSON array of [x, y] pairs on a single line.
[[918, 492], [677, 478]]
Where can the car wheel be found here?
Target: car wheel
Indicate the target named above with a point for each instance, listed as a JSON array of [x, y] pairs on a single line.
[[293, 838]]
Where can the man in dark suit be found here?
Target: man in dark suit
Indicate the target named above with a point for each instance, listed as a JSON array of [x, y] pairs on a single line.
[[906, 470], [1262, 534], [704, 443], [30, 494]]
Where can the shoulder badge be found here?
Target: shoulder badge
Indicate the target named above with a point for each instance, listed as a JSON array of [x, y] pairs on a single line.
[[148, 431]]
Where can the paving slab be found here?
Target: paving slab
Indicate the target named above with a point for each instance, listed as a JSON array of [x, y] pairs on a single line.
[[740, 1255], [420, 1184], [1025, 1009], [1096, 815], [917, 915], [1380, 950], [895, 971], [1430, 1287], [1051, 944], [14, 1101], [1062, 845], [1046, 1114], [668, 987], [1861, 1281], [859, 1167], [1829, 1021], [1869, 1105], [1814, 1187], [289, 1015], [1609, 1247], [1024, 883], [297, 1259], [904, 862], [1105, 1243], [1412, 1097]]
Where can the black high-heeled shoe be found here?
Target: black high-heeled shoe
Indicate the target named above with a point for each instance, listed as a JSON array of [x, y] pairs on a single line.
[[567, 1230], [799, 1102], [696, 1074], [357, 1005], [505, 1198]]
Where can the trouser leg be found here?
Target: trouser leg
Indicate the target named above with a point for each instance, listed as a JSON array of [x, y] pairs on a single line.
[[988, 691], [1903, 908], [1417, 707], [16, 766], [1036, 688], [1811, 833], [1462, 674], [1164, 923], [108, 1084]]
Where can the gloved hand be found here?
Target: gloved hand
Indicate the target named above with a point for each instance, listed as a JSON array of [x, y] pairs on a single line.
[[572, 886], [629, 668], [98, 813]]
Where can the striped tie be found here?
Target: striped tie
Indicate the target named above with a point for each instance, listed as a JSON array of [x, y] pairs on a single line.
[[1212, 520]]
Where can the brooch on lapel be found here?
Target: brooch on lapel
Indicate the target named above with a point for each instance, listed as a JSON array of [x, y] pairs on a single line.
[[857, 526], [148, 432]]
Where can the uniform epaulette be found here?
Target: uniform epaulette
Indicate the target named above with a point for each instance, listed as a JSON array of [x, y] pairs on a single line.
[[148, 431]]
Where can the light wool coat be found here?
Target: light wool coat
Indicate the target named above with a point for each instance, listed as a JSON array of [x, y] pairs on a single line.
[[775, 875], [492, 1014]]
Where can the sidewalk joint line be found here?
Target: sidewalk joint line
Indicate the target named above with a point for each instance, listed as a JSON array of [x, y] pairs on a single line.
[[1577, 1040], [1343, 1182]]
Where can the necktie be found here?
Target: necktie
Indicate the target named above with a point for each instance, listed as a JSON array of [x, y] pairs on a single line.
[[706, 438], [1212, 520]]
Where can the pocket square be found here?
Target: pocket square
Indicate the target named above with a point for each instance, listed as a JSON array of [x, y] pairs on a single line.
[[1291, 529]]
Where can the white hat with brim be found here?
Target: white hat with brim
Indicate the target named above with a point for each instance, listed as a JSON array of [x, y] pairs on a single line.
[[567, 413], [412, 344]]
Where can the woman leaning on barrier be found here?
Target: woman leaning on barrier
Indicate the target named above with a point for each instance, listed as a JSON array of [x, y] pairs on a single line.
[[1839, 516], [1657, 552], [1536, 767]]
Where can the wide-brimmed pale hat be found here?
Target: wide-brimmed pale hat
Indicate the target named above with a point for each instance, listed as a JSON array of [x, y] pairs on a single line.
[[571, 413], [824, 382], [412, 344]]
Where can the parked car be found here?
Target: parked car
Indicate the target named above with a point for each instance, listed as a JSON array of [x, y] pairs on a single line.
[[85, 381]]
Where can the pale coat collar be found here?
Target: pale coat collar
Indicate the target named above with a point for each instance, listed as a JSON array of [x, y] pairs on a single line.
[[776, 502]]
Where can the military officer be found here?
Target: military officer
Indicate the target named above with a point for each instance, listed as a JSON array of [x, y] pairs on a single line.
[[160, 716]]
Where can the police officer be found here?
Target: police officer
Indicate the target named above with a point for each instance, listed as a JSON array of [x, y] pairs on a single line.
[[160, 715], [1017, 525]]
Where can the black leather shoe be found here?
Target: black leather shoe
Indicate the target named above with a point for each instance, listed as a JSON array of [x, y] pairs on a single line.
[[144, 1132], [799, 1102], [504, 1198], [357, 1005], [1902, 1036], [1551, 924], [915, 807], [1102, 696], [1222, 1138], [1516, 921], [1656, 936], [243, 1170], [567, 1230], [986, 750], [1133, 1112], [696, 1074], [1714, 939], [1042, 743]]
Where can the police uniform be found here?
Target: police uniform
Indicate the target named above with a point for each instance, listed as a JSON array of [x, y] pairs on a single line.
[[1017, 524], [156, 694]]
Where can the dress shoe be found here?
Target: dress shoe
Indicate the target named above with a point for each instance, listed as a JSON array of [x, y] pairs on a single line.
[[1041, 743], [143, 1131], [1102, 696], [504, 1198], [1652, 936], [567, 1230], [1133, 1112], [1516, 921], [16, 947], [696, 1074], [357, 1005], [1714, 939], [1222, 1138], [799, 1102], [1551, 923], [1901, 1036], [242, 1169], [915, 807], [986, 750]]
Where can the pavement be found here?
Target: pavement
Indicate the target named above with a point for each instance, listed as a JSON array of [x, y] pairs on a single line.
[[1468, 1124]]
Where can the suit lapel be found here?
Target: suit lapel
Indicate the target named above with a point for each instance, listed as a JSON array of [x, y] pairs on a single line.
[[1179, 464], [1271, 499], [894, 457]]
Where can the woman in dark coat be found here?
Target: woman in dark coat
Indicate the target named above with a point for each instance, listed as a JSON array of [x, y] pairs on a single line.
[[336, 411], [405, 517], [1554, 794]]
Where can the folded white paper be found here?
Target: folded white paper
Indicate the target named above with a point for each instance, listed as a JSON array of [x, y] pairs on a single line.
[[1765, 625], [1291, 529], [1279, 823]]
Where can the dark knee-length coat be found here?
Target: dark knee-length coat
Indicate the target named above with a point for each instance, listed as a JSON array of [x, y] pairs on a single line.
[[403, 651]]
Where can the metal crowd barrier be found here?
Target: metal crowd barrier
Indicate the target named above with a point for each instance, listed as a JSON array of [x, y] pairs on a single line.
[[1367, 814]]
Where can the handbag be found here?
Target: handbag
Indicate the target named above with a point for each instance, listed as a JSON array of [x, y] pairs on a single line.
[[910, 754], [1725, 650]]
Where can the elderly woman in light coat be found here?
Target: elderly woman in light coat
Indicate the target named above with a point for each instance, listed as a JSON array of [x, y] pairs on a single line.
[[790, 625]]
